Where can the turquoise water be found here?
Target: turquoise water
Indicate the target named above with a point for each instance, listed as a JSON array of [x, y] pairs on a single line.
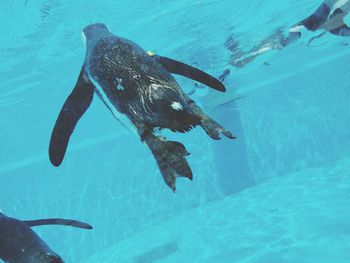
[[278, 193]]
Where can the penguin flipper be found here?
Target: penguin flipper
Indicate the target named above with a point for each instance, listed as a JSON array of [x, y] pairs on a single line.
[[57, 221], [177, 67], [74, 107]]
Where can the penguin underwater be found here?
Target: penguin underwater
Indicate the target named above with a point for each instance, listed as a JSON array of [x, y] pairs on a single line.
[[20, 244], [139, 85]]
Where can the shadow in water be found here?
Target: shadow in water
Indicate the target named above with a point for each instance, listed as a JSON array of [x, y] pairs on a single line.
[[231, 156], [157, 253]]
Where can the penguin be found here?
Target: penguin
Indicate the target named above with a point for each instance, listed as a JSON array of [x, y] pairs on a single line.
[[137, 85], [20, 244]]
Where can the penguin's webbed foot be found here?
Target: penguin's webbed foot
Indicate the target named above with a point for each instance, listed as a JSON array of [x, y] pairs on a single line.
[[171, 160], [213, 129]]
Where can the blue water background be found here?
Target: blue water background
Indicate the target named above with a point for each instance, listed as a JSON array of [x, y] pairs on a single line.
[[294, 115]]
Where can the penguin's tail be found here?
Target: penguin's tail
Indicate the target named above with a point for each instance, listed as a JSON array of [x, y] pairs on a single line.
[[184, 121], [176, 115]]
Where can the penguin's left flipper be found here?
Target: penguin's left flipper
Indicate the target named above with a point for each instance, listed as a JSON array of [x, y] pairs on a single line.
[[58, 221], [74, 107], [177, 67]]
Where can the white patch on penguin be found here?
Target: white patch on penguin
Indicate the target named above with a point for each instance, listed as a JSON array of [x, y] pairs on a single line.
[[155, 86], [153, 91], [176, 105], [119, 84]]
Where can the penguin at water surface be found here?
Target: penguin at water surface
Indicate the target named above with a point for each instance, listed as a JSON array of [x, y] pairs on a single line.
[[138, 85], [20, 244]]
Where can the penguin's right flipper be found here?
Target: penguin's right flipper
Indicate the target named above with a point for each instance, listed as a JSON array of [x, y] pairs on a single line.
[[73, 108], [58, 221], [177, 67]]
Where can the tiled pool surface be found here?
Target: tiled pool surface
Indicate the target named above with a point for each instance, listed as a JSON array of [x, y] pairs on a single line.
[[301, 217]]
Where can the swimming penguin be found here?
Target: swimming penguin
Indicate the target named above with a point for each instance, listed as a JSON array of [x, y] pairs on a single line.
[[20, 244], [138, 85]]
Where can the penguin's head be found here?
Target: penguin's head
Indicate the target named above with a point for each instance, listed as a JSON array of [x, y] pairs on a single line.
[[95, 31]]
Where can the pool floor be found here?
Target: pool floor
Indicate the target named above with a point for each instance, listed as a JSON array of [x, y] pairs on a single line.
[[301, 217]]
